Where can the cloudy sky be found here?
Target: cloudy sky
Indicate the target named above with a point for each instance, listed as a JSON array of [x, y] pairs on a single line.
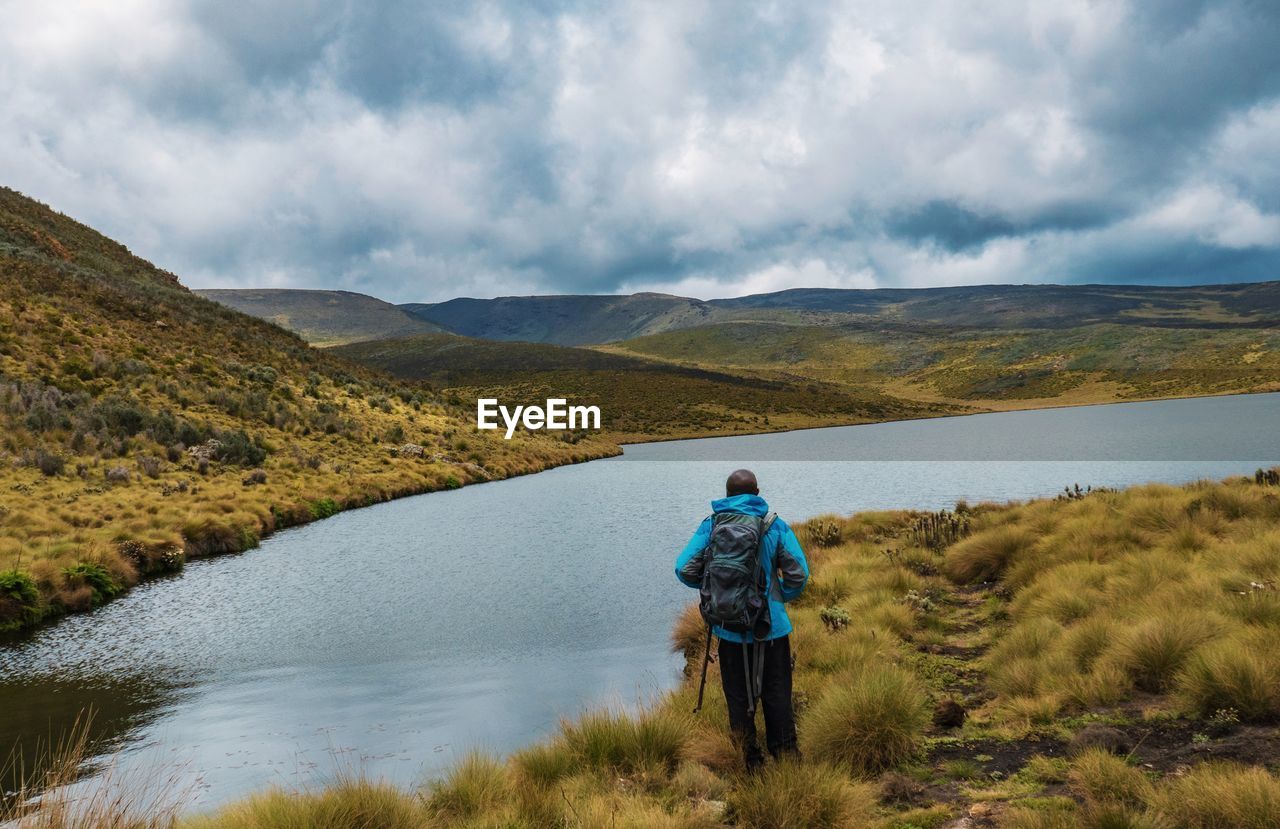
[[419, 151]]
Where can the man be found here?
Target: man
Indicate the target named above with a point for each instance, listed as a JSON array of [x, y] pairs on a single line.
[[786, 572]]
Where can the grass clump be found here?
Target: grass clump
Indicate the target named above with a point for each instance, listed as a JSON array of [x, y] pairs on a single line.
[[348, 804], [985, 556], [603, 740], [1240, 673], [1216, 796], [1154, 650], [869, 721], [791, 795], [478, 783]]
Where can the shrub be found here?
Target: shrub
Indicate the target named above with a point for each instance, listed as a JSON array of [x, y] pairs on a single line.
[[984, 557], [1213, 795], [323, 508], [236, 447], [869, 723], [19, 599], [791, 795], [475, 785], [822, 532], [96, 577], [835, 618], [50, 463], [150, 466]]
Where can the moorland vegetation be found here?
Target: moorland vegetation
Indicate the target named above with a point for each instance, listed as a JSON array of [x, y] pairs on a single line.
[[144, 425], [1102, 659]]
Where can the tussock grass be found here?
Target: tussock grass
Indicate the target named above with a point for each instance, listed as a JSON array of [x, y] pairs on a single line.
[[1242, 672], [793, 795], [347, 804], [868, 721], [1215, 796], [476, 784], [1103, 781], [606, 741], [1154, 590], [1160, 589], [985, 556]]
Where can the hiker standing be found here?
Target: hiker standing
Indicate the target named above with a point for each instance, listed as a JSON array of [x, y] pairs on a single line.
[[746, 564]]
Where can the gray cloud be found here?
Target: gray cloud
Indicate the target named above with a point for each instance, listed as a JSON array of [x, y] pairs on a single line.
[[418, 151]]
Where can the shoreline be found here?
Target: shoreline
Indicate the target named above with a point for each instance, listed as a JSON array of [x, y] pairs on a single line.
[[15, 636], [937, 647], [1044, 408]]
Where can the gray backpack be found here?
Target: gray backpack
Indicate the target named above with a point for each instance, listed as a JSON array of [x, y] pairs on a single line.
[[732, 595], [734, 592]]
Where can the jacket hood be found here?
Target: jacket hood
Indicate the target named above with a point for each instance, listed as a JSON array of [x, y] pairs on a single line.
[[745, 504]]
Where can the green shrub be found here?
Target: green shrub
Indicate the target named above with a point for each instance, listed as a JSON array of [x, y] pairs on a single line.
[[791, 795], [323, 508], [104, 587], [871, 722], [452, 482], [19, 600]]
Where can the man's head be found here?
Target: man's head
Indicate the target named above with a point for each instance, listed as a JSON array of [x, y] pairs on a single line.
[[741, 482]]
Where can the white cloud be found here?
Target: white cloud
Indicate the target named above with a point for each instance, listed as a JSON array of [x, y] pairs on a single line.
[[1210, 214], [703, 147]]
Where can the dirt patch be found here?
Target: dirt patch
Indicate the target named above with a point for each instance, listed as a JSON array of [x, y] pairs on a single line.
[[1169, 747]]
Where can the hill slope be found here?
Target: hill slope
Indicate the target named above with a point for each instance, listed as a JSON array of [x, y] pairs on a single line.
[[144, 424], [564, 320], [323, 317], [640, 399], [583, 320]]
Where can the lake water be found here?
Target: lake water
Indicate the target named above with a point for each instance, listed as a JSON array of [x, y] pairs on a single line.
[[396, 637]]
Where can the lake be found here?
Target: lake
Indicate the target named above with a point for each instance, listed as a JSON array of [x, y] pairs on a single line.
[[396, 637]]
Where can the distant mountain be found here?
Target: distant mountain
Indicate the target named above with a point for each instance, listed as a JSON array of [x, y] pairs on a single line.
[[584, 320], [564, 320], [323, 317]]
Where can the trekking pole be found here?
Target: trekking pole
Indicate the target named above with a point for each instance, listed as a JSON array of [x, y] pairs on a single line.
[[706, 660]]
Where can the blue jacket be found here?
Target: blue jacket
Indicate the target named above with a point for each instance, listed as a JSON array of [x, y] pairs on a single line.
[[784, 562]]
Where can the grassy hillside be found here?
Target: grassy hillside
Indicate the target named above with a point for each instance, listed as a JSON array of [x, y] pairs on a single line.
[[989, 369], [564, 320], [1099, 660], [323, 317], [144, 425], [639, 399], [582, 320]]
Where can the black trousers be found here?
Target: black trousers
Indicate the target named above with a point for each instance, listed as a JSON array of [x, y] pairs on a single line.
[[775, 698]]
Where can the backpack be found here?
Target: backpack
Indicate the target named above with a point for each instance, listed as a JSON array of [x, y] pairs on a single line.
[[734, 582]]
